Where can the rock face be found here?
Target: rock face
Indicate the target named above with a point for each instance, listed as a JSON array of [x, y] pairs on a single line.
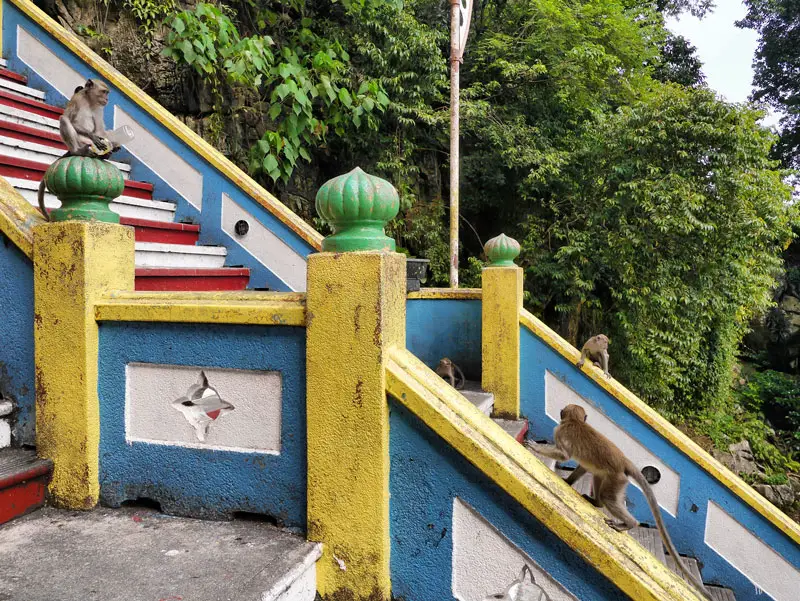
[[739, 460], [780, 495]]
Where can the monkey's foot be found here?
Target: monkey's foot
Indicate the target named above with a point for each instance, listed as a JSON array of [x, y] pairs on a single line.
[[618, 526]]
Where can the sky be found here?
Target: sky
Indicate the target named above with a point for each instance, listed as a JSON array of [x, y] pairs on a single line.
[[725, 50]]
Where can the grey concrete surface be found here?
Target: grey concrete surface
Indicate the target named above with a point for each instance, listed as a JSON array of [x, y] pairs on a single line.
[[140, 555]]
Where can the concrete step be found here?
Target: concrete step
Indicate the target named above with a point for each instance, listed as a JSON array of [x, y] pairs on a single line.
[[14, 86], [125, 554], [41, 153], [11, 76], [31, 105], [125, 206], [719, 593], [179, 256], [27, 133], [159, 231], [516, 428], [689, 562], [483, 400], [23, 482], [24, 117], [192, 280], [650, 539]]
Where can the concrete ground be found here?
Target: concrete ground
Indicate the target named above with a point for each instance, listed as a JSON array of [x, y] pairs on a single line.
[[140, 555]]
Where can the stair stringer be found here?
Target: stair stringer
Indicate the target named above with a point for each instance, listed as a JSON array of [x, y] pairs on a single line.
[[528, 483], [183, 167], [703, 503]]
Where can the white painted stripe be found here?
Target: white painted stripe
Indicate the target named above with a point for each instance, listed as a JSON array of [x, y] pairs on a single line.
[[15, 115], [47, 64], [267, 248], [485, 562], [558, 395], [180, 175], [22, 90], [30, 151], [179, 256], [760, 564]]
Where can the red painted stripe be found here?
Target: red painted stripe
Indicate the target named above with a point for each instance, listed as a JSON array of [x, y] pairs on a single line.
[[192, 280], [42, 469], [164, 232], [523, 432], [29, 104], [11, 76], [31, 134], [34, 171], [21, 499]]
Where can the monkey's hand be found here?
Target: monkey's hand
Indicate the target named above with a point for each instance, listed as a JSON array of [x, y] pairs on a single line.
[[580, 362]]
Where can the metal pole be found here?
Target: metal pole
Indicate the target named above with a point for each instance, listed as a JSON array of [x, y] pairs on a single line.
[[455, 62]]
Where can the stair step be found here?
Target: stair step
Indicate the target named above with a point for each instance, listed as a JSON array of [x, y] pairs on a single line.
[[582, 486], [108, 553], [719, 593], [20, 88], [31, 105], [516, 428], [23, 482], [11, 76], [483, 400], [179, 256], [125, 206], [549, 463], [147, 230], [41, 153], [650, 539], [192, 280], [27, 133], [689, 562], [24, 117]]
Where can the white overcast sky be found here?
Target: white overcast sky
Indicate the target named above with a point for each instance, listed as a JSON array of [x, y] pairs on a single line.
[[725, 50]]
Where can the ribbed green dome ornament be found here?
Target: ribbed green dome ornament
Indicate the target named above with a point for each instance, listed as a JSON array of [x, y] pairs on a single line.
[[84, 186], [501, 251], [358, 206]]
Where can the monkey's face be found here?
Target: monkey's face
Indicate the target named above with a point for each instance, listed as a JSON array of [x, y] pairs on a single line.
[[98, 94]]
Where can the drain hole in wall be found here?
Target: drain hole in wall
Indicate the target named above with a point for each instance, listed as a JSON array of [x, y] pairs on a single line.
[[651, 474], [255, 517], [143, 503]]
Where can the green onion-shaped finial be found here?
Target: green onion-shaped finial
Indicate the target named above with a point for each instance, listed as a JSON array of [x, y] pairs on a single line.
[[358, 206], [84, 186], [502, 251]]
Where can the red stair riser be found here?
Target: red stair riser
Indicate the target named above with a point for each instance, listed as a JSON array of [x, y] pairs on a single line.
[[31, 134], [163, 232], [15, 77], [22, 497], [154, 279], [523, 432], [29, 104]]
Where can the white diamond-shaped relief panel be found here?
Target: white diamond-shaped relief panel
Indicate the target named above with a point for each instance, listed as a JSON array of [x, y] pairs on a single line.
[[485, 562], [667, 490], [202, 407]]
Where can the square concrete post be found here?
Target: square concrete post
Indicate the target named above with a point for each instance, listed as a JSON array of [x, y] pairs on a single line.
[[74, 264]]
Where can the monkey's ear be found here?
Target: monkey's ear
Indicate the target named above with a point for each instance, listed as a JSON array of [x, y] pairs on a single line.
[[89, 83], [78, 89]]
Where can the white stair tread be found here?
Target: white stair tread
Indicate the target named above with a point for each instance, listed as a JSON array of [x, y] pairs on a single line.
[[41, 153], [15, 115], [483, 400], [23, 90], [181, 256], [186, 249]]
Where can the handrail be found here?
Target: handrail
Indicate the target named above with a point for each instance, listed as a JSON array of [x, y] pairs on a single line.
[[168, 120], [677, 438], [18, 218], [540, 491]]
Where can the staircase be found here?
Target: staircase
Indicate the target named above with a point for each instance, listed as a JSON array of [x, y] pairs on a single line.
[[168, 256]]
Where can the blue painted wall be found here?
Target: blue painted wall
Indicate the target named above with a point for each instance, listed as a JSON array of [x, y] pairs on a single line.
[[199, 482], [426, 475], [437, 328], [696, 485], [16, 338], [214, 183]]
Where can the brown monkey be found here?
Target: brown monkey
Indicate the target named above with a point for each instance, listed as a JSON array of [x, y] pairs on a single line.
[[596, 454], [596, 348], [81, 126], [451, 372]]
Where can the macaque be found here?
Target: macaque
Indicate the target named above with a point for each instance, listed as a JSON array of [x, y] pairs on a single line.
[[596, 349], [451, 372], [610, 469]]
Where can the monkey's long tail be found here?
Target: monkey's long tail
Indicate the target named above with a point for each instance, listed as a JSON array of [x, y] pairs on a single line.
[[41, 201], [636, 475]]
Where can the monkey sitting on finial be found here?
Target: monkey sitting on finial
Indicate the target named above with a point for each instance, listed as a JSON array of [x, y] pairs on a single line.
[[596, 349], [451, 372]]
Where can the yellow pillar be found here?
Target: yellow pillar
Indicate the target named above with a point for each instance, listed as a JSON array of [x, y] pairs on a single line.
[[74, 264], [355, 313], [502, 301]]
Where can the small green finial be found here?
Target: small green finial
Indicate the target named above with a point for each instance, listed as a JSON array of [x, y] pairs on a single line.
[[502, 251], [84, 186], [358, 206]]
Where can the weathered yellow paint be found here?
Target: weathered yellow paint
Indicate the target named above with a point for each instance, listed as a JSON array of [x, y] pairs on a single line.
[[546, 496], [252, 308], [163, 116], [502, 302], [17, 215], [74, 263], [682, 442], [355, 316], [447, 294]]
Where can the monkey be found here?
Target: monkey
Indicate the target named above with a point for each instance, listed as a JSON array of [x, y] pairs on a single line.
[[81, 127], [610, 469], [451, 372], [596, 348]]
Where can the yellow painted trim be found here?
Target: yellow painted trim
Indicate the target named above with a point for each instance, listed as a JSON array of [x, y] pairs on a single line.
[[74, 263], [446, 294], [258, 308], [546, 496], [168, 120], [17, 216], [348, 338], [682, 442]]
